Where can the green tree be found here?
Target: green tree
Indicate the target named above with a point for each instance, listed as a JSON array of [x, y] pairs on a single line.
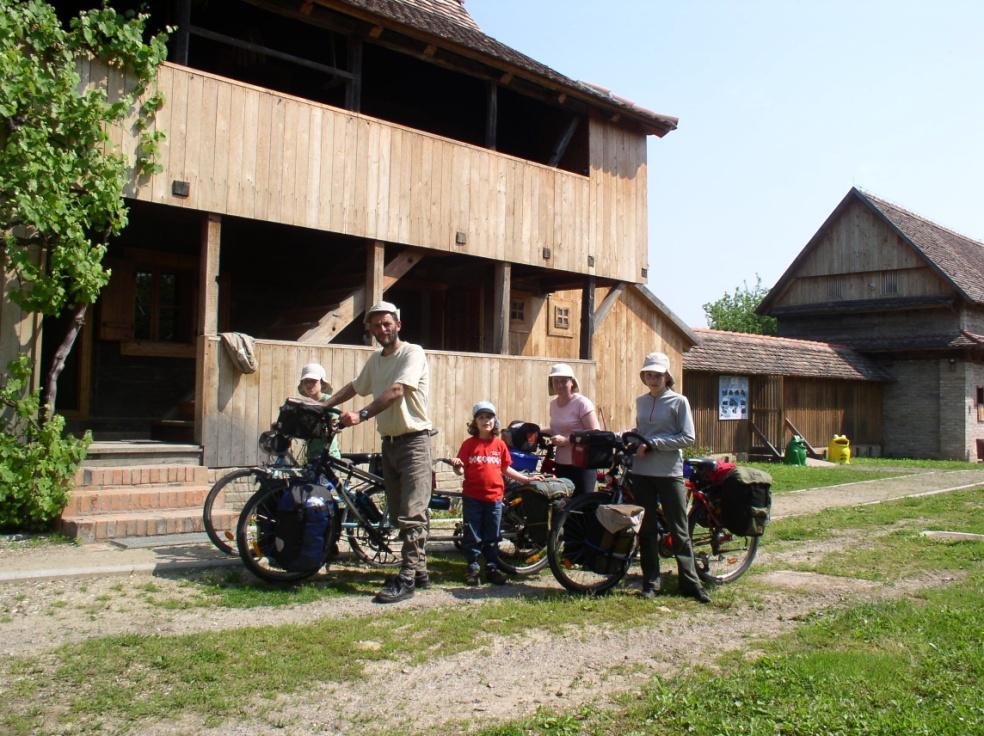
[[735, 312], [61, 199], [61, 183]]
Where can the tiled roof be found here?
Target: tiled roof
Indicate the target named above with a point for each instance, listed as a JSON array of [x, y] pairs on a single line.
[[448, 20], [913, 343], [744, 354], [960, 258]]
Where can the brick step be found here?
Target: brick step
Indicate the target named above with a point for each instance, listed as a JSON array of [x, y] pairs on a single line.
[[134, 475], [101, 527], [119, 499]]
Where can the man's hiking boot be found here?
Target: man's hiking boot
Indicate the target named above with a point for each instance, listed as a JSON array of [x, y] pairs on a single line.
[[651, 588], [495, 576], [697, 593], [397, 588], [473, 579], [421, 580]]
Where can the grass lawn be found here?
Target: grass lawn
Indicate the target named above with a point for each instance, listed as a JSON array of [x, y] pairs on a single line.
[[797, 477], [910, 666]]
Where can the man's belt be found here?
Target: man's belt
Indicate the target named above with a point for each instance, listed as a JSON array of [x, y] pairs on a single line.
[[404, 437]]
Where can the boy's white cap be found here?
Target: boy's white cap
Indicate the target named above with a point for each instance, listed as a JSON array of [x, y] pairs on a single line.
[[313, 370], [483, 406], [560, 370], [387, 307], [656, 362]]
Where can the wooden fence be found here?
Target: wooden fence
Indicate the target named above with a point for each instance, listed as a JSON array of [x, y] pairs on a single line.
[[234, 408]]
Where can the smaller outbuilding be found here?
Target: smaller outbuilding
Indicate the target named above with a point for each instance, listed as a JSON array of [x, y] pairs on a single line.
[[751, 393]]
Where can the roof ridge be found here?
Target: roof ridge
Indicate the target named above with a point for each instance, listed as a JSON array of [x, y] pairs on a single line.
[[910, 213], [798, 340]]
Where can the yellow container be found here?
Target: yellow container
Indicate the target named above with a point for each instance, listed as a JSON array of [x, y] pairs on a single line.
[[839, 450]]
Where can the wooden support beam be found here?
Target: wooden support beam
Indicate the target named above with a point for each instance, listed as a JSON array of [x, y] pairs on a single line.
[[565, 141], [492, 116], [352, 306], [761, 435], [266, 51], [208, 275], [607, 303], [587, 318], [182, 37], [353, 90], [500, 308], [375, 270]]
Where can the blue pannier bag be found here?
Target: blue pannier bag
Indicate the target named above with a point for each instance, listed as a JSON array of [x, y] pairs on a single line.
[[298, 535]]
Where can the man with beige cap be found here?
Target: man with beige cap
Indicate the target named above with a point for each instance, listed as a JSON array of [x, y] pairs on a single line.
[[397, 377], [663, 417]]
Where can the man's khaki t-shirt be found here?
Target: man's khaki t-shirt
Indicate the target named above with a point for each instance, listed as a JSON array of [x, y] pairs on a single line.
[[407, 365]]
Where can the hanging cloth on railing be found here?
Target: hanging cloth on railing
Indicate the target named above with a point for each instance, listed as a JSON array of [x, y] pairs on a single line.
[[241, 349]]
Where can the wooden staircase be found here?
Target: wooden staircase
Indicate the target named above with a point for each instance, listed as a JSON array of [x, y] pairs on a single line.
[[120, 493]]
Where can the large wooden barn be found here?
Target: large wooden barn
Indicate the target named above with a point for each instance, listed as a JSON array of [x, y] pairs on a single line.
[[751, 393], [321, 155], [908, 294]]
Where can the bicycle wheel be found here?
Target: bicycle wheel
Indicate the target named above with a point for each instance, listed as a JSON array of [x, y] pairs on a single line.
[[258, 523], [577, 557], [721, 556], [372, 505], [223, 504], [523, 532]]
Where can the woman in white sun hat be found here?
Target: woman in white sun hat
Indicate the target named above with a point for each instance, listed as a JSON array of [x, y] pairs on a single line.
[[570, 411], [663, 417], [314, 386]]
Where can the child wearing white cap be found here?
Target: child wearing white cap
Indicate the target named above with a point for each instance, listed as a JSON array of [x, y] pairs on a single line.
[[314, 386], [484, 460]]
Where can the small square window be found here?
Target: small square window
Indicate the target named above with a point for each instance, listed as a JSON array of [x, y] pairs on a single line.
[[517, 310], [562, 318]]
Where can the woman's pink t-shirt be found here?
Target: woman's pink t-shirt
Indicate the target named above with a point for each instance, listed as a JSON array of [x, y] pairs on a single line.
[[567, 419]]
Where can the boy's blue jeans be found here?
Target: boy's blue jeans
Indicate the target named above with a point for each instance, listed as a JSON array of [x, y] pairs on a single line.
[[481, 520]]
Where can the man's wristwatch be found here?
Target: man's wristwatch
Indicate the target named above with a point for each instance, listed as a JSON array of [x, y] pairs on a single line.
[[363, 415]]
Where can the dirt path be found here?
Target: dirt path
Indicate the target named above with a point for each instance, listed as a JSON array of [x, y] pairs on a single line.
[[559, 669]]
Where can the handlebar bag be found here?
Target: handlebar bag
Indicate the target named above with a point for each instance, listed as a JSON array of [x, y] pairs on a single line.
[[593, 448], [746, 501], [301, 420], [521, 436]]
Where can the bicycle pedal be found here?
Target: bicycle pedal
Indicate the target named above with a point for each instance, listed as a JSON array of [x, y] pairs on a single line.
[[567, 564], [229, 535], [534, 558]]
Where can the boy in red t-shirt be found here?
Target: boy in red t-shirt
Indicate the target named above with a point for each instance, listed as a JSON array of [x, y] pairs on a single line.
[[484, 460]]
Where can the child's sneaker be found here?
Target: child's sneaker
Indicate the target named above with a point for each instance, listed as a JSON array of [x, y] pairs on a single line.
[[496, 576], [472, 579]]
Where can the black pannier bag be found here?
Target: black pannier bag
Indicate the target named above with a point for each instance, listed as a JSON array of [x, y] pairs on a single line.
[[593, 448], [301, 420], [534, 499], [294, 533], [746, 500], [521, 436]]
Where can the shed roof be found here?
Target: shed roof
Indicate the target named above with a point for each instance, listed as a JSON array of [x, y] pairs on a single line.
[[956, 258], [745, 354], [449, 21]]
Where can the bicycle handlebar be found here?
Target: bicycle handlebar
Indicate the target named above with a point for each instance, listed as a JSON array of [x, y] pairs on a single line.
[[640, 440]]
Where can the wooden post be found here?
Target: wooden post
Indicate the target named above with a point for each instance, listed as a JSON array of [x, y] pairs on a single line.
[[375, 264], [208, 274], [500, 326], [587, 318], [208, 317], [183, 35], [353, 90], [492, 116]]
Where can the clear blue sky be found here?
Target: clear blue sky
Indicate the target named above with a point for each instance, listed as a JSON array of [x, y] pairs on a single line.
[[784, 105]]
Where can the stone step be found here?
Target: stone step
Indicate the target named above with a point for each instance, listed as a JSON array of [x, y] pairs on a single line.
[[105, 500], [140, 475], [100, 527], [141, 452]]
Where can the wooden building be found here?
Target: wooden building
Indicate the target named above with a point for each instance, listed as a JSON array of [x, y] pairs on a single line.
[[325, 154], [908, 294], [751, 393]]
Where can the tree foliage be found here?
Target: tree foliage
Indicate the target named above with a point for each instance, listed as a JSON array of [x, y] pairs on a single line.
[[61, 184], [37, 461], [735, 312]]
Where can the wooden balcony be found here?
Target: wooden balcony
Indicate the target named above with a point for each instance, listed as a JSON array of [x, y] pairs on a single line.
[[257, 154]]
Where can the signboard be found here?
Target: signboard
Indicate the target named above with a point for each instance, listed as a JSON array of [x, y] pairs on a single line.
[[733, 397]]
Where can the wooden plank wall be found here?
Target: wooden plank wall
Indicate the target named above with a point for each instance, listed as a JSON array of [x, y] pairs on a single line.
[[860, 257], [19, 330], [262, 155], [236, 408], [818, 408]]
